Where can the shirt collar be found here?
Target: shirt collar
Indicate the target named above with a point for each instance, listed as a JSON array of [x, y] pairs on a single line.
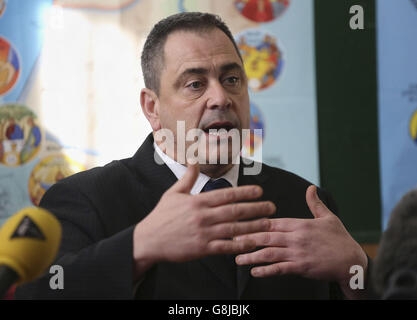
[[179, 170]]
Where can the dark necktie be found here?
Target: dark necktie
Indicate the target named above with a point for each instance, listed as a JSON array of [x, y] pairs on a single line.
[[225, 263], [216, 184]]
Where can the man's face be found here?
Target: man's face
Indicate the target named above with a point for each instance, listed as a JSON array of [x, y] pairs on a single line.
[[203, 84]]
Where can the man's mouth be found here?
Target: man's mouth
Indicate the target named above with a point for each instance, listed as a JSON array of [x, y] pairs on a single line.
[[218, 128]]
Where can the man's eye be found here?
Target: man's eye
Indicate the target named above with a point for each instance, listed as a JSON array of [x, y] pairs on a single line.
[[231, 80], [195, 85]]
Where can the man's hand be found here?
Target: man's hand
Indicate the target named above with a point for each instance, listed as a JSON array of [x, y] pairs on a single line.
[[319, 248], [184, 227]]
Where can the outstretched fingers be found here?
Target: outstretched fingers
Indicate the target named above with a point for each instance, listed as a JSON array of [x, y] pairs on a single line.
[[224, 196], [231, 229], [229, 246], [280, 268], [240, 211], [265, 255]]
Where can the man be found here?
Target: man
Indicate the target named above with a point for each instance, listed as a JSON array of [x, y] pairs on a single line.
[[138, 228]]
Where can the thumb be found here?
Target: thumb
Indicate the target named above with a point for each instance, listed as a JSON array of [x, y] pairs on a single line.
[[316, 206], [186, 183]]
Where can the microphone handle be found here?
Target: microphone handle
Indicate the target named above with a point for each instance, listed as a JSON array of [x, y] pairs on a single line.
[[7, 277]]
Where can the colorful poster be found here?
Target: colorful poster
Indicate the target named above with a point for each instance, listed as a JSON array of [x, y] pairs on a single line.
[[9, 66], [279, 61], [397, 70], [257, 132], [262, 10], [262, 57], [20, 135], [47, 172]]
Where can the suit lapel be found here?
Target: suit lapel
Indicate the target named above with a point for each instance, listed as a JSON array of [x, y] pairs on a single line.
[[155, 178]]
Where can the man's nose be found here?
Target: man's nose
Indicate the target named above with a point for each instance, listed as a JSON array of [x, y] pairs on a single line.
[[218, 97]]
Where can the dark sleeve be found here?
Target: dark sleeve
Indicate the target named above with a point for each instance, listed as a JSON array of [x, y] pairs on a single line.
[[95, 266], [370, 293], [335, 291]]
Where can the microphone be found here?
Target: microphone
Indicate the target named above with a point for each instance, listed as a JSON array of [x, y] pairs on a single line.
[[29, 242], [394, 273]]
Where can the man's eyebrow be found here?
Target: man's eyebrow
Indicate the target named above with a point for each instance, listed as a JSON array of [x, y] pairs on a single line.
[[203, 71], [190, 71], [230, 66]]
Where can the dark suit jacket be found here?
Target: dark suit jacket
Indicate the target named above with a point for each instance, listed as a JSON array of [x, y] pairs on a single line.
[[98, 210]]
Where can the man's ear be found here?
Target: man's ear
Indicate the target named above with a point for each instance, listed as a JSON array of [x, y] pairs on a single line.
[[150, 107]]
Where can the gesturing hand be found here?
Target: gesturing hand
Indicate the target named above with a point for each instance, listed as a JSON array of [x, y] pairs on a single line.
[[184, 227], [319, 248]]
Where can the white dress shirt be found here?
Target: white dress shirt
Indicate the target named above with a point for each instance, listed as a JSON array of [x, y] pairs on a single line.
[[179, 170]]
